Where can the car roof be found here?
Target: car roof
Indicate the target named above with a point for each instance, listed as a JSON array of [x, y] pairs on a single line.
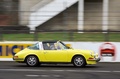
[[50, 41]]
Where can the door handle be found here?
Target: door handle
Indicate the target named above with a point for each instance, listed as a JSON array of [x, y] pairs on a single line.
[[45, 52]]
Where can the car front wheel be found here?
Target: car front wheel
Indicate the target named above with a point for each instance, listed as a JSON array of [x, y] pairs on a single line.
[[79, 61], [32, 61]]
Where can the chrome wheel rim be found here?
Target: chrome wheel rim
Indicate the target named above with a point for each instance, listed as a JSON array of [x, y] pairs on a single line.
[[31, 60], [78, 61]]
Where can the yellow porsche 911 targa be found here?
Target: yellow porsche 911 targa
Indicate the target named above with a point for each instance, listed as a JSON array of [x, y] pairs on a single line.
[[55, 52]]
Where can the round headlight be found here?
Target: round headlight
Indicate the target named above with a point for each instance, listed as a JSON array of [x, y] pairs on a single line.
[[91, 53]]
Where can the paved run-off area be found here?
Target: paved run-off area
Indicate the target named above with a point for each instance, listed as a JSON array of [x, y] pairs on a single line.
[[14, 70]]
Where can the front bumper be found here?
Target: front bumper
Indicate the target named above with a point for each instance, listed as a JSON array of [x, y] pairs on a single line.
[[98, 59], [95, 58]]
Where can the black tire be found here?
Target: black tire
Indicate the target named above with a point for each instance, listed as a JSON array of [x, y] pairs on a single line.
[[32, 61], [79, 61]]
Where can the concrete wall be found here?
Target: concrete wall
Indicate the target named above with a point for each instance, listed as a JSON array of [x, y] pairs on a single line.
[[114, 14], [8, 10], [66, 20], [24, 10], [28, 6], [8, 49], [93, 15]]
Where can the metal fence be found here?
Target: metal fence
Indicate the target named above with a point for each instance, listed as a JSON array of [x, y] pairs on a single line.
[[64, 35], [16, 13]]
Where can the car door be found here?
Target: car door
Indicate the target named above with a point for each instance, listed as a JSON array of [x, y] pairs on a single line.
[[54, 55]]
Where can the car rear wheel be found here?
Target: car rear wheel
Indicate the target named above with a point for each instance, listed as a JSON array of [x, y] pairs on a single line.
[[79, 61], [32, 61]]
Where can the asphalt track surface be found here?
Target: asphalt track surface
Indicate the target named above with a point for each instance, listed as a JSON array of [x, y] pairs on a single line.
[[14, 70]]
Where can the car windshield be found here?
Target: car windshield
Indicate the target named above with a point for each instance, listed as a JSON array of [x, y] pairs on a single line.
[[34, 46], [63, 46]]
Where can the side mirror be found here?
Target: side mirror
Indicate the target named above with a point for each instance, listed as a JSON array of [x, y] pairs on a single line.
[[69, 46]]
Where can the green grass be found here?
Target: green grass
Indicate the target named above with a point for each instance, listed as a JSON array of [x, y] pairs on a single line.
[[17, 37], [114, 37], [64, 36]]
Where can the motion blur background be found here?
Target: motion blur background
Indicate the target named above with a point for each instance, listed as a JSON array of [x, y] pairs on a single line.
[[67, 20]]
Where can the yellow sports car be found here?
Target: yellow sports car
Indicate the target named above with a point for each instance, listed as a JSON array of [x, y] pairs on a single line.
[[55, 52]]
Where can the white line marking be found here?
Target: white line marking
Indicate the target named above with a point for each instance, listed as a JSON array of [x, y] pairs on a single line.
[[56, 76], [45, 75], [58, 70], [27, 70], [37, 70], [32, 75], [116, 71], [71, 70], [96, 71]]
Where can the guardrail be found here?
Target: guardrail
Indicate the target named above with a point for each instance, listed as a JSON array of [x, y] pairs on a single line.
[[65, 35]]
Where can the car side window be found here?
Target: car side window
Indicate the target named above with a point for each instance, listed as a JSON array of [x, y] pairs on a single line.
[[49, 46], [46, 46], [57, 46]]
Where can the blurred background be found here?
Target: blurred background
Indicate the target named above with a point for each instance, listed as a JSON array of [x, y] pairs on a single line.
[[66, 20]]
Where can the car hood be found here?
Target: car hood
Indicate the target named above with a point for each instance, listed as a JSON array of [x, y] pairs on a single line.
[[82, 50]]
